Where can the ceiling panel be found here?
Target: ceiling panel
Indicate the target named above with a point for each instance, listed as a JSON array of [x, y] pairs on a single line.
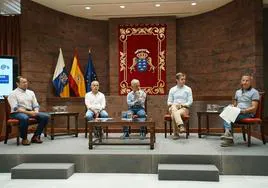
[[105, 9], [10, 7]]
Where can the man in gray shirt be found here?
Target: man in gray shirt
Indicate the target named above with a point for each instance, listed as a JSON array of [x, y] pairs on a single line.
[[24, 105], [246, 98]]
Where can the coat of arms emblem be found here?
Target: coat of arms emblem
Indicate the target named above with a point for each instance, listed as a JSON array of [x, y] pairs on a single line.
[[142, 62]]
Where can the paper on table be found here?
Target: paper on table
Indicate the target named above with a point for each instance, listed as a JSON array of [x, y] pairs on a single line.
[[230, 113]]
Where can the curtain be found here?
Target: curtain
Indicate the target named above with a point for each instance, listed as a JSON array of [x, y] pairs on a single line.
[[10, 46], [10, 36]]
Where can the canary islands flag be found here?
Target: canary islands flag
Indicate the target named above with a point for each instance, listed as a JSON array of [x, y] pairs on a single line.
[[60, 78], [76, 78]]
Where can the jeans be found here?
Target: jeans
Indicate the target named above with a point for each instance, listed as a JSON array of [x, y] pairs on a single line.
[[140, 112], [90, 114], [239, 117], [42, 120]]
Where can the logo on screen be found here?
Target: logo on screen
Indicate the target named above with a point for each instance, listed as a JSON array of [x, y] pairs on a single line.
[[3, 67]]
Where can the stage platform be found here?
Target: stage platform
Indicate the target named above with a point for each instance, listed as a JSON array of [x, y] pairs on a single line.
[[236, 160]]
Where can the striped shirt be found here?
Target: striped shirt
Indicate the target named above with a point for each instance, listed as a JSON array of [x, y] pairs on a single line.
[[25, 99]]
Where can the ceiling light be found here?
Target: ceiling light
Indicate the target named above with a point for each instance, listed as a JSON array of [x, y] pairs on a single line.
[[157, 5], [193, 3], [87, 8], [122, 6]]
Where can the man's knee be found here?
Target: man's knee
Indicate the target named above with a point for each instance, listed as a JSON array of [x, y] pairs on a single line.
[[89, 117], [22, 118], [44, 116], [141, 114], [104, 114]]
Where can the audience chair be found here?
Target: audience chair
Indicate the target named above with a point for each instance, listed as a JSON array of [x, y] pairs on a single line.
[[168, 120], [247, 123], [13, 122]]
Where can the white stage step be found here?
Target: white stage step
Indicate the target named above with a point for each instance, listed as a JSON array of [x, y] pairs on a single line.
[[42, 171], [188, 172]]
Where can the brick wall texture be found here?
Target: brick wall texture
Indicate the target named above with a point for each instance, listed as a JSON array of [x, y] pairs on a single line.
[[213, 49]]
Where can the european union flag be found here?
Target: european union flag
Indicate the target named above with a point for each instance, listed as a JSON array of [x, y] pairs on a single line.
[[90, 74]]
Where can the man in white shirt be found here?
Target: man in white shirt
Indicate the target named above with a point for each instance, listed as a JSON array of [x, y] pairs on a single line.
[[180, 98], [24, 105], [95, 102]]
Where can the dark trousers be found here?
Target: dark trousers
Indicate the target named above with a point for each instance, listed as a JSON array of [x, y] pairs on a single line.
[[140, 112], [41, 117]]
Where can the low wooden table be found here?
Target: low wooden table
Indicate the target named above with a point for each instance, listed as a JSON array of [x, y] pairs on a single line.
[[118, 122], [64, 114], [207, 131]]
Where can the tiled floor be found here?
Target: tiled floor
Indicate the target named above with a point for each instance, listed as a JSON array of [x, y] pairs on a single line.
[[132, 181]]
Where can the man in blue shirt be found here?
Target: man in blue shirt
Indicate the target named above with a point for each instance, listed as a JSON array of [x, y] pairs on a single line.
[[246, 98], [180, 98], [136, 106]]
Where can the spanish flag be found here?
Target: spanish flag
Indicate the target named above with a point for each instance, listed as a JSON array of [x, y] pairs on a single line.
[[76, 78]]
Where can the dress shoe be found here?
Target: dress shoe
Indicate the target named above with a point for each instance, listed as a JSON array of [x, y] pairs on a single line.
[[25, 142], [36, 139]]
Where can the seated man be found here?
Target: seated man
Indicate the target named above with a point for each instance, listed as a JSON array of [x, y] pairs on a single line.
[[180, 98], [135, 100], [95, 102], [24, 105], [246, 98]]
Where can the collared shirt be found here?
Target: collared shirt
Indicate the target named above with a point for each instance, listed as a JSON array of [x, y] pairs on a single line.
[[136, 99], [244, 98], [20, 98], [95, 102], [180, 95]]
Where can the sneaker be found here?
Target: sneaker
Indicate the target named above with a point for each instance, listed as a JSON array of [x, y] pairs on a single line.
[[175, 137], [25, 142], [227, 143], [142, 135], [227, 136], [182, 129], [36, 139], [125, 135]]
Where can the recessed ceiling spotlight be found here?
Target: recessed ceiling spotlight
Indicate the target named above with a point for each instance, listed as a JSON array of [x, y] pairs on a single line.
[[157, 5], [87, 8], [122, 6], [193, 3]]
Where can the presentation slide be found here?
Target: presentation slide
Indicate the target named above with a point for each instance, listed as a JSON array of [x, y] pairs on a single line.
[[6, 76]]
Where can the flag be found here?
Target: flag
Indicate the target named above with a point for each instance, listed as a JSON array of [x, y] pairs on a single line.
[[76, 78], [90, 74], [60, 78]]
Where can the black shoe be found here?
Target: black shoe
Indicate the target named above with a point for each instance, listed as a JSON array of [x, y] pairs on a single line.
[[125, 135]]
